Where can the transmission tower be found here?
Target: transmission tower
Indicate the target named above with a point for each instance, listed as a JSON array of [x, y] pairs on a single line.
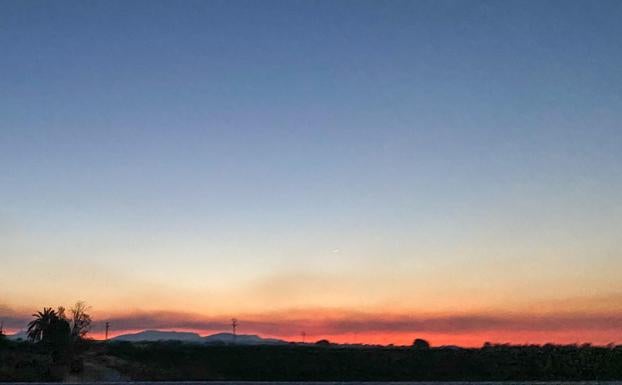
[[107, 328], [234, 326]]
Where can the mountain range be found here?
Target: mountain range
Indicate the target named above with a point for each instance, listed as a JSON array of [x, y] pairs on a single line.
[[216, 339], [20, 335]]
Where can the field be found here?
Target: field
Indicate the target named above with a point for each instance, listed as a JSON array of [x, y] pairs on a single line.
[[192, 362]]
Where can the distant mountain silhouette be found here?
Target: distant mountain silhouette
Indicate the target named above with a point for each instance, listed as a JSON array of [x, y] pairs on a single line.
[[20, 335], [242, 339], [216, 339], [158, 335]]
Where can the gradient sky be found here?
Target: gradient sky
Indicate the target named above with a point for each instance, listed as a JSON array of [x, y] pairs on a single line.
[[363, 171]]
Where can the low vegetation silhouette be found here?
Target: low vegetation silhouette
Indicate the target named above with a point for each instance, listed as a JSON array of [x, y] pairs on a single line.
[[419, 343]]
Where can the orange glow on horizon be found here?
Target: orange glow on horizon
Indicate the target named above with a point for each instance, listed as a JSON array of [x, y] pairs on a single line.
[[435, 339], [378, 328]]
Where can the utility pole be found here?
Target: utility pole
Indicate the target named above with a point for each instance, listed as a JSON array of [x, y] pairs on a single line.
[[234, 326], [107, 328], [304, 336], [2, 328]]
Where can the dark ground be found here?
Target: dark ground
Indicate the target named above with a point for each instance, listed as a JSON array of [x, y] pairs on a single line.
[[172, 361]]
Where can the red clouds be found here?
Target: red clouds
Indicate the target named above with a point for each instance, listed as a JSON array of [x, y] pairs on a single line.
[[471, 329]]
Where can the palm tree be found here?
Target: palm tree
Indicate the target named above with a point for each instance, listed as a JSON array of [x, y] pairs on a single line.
[[40, 326]]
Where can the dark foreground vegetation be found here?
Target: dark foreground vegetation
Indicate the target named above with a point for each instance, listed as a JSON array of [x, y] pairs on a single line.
[[55, 347], [179, 362], [159, 361]]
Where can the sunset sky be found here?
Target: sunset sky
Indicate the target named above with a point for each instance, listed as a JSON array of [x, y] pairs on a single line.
[[363, 171]]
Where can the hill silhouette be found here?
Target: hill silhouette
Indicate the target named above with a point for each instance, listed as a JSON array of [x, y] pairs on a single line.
[[190, 337]]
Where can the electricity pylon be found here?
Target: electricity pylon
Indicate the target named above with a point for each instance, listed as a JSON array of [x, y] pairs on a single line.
[[234, 326]]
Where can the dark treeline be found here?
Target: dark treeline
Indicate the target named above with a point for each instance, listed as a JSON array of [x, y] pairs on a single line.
[[169, 361]]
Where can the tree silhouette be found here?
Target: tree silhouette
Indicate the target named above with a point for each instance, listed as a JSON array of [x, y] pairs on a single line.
[[421, 344], [40, 326], [49, 328], [80, 320], [2, 336]]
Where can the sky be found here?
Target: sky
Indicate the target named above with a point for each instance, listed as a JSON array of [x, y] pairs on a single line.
[[362, 171]]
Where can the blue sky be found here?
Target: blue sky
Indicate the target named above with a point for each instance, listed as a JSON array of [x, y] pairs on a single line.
[[365, 142]]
